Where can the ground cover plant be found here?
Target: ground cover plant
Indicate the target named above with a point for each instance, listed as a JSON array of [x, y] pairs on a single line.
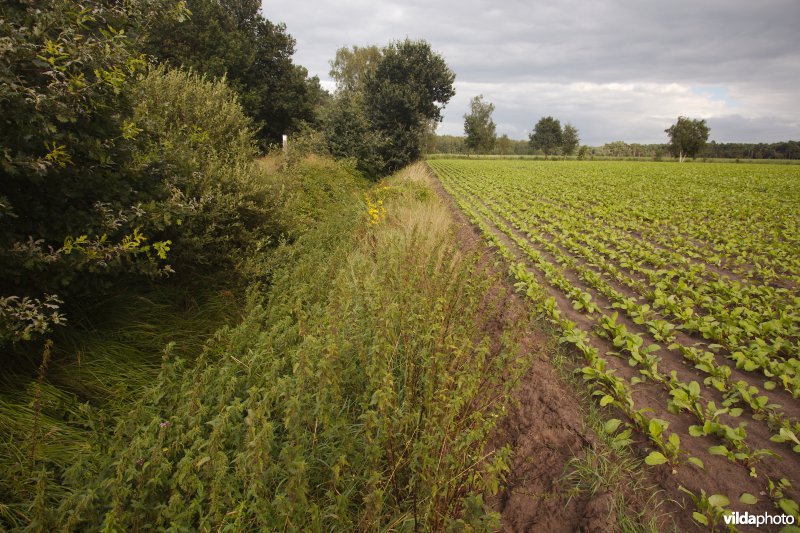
[[680, 287], [357, 391]]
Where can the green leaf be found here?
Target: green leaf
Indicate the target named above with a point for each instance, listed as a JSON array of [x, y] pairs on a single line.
[[696, 462], [718, 450], [749, 366], [718, 500], [612, 425], [655, 458], [700, 518], [605, 400], [696, 431], [788, 506], [748, 498], [789, 435]]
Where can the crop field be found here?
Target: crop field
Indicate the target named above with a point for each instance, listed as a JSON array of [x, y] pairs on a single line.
[[679, 287]]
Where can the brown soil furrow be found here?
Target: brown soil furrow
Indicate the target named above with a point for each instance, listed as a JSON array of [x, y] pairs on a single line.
[[546, 430]]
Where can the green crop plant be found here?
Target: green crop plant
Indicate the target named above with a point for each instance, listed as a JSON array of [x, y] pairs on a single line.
[[704, 281], [777, 492], [709, 510]]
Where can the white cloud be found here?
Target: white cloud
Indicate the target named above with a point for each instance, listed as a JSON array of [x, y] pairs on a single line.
[[602, 112]]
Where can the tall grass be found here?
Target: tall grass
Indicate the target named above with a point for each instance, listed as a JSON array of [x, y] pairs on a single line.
[[56, 419]]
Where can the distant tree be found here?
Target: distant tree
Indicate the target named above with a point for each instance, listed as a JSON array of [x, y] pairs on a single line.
[[449, 144], [569, 139], [687, 137], [479, 126], [504, 145], [351, 66], [387, 105], [403, 95], [547, 135], [616, 149], [582, 152]]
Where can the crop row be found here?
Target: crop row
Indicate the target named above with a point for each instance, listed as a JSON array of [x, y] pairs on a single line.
[[570, 254]]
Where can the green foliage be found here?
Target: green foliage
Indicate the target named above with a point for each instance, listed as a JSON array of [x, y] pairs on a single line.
[[351, 67], [687, 137], [546, 136], [388, 103], [569, 139], [350, 134], [623, 149], [360, 396], [479, 127], [22, 318], [69, 206], [231, 38], [196, 143]]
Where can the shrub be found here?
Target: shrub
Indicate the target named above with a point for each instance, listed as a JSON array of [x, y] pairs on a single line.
[[195, 141], [68, 208]]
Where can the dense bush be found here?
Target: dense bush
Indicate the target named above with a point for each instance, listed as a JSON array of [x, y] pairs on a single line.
[[195, 141], [69, 199], [109, 168]]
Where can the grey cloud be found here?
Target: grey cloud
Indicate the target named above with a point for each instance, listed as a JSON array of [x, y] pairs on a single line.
[[748, 48]]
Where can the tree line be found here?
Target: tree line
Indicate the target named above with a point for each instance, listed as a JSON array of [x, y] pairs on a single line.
[[480, 135], [687, 138]]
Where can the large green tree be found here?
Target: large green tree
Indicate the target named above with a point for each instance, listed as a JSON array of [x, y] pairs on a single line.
[[479, 128], [687, 137], [231, 38], [405, 93], [387, 104], [569, 139], [546, 136]]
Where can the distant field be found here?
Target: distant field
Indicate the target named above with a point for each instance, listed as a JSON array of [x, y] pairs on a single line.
[[611, 158], [680, 287]]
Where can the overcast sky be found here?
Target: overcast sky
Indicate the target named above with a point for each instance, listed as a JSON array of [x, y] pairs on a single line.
[[616, 69]]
